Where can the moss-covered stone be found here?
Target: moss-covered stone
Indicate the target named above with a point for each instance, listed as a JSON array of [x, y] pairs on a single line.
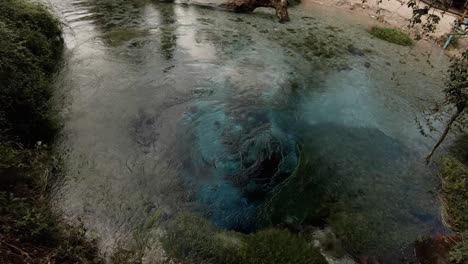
[[391, 35]]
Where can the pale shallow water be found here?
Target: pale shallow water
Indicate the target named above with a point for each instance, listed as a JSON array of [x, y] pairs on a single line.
[[174, 119]]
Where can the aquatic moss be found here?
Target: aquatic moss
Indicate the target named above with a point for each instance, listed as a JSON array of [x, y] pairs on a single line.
[[192, 238], [364, 233], [279, 246], [391, 35], [30, 49], [334, 184]]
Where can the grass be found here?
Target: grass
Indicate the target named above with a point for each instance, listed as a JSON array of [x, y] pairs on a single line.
[[392, 35]]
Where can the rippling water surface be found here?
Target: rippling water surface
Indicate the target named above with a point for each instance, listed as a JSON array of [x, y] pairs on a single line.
[[174, 108]]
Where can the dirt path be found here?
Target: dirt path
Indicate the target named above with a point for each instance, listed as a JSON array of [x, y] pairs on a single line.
[[394, 12]]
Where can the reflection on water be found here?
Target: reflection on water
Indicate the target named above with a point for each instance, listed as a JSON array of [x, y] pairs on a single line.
[[245, 121]]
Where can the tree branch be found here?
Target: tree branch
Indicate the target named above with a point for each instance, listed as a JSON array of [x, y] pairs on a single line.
[[446, 130]]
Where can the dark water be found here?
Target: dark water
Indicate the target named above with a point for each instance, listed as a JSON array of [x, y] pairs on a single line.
[[173, 108]]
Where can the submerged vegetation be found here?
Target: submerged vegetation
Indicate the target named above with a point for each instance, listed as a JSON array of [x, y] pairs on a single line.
[[391, 35], [192, 238], [120, 35], [30, 52]]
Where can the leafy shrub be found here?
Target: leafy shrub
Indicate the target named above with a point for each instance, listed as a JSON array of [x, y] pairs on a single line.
[[392, 35], [30, 49]]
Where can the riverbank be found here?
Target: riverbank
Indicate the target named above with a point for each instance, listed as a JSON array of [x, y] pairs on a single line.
[[453, 175], [184, 70], [395, 13], [31, 50]]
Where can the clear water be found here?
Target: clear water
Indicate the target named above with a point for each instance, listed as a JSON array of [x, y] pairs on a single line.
[[248, 122]]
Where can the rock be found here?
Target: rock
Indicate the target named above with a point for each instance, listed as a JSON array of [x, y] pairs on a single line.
[[248, 6]]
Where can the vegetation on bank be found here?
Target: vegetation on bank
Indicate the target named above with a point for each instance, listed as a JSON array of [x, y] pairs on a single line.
[[31, 49], [454, 190], [453, 175], [391, 35], [192, 238], [30, 232]]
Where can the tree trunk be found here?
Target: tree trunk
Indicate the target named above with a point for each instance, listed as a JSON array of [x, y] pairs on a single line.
[[246, 6]]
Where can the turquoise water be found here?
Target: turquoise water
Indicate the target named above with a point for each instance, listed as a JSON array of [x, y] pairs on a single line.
[[172, 108]]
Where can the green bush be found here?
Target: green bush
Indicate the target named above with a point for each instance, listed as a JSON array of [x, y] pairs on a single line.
[[30, 52], [391, 35], [30, 49]]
